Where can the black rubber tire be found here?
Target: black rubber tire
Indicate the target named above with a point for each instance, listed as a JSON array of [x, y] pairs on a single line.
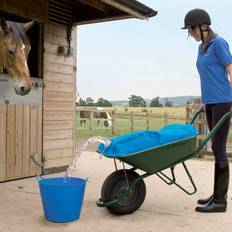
[[114, 183]]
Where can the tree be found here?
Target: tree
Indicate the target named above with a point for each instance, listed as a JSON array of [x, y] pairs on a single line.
[[82, 102], [155, 102], [103, 103], [168, 103], [136, 101], [89, 101]]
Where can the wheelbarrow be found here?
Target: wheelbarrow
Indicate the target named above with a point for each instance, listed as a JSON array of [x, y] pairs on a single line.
[[124, 190]]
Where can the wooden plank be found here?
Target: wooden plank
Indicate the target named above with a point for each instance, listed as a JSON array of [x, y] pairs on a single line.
[[55, 135], [59, 87], [100, 20], [60, 77], [58, 59], [39, 133], [2, 142], [33, 138], [56, 144], [55, 39], [57, 125], [58, 115], [58, 162], [26, 139], [10, 142], [18, 141], [58, 96], [30, 9], [57, 30], [96, 4], [58, 153], [58, 106], [52, 48], [75, 87], [57, 68]]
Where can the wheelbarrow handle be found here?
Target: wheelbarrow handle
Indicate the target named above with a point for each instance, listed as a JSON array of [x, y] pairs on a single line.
[[195, 116], [212, 132]]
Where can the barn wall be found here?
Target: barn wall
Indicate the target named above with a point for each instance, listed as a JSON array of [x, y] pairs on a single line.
[[21, 125], [20, 137], [59, 95], [26, 8], [59, 99]]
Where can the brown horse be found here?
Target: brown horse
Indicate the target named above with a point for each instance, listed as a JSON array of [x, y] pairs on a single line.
[[96, 114], [14, 49]]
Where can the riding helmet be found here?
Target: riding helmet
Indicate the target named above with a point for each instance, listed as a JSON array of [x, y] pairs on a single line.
[[196, 17]]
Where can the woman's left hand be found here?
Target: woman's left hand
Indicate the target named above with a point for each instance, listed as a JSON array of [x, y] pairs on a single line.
[[229, 70]]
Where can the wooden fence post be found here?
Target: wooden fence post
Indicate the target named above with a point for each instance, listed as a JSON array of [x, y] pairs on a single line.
[[148, 121], [91, 122], [188, 112], [165, 118], [113, 122], [132, 121], [202, 128]]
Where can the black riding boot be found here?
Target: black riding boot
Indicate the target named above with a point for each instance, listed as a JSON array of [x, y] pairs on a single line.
[[221, 183], [205, 201]]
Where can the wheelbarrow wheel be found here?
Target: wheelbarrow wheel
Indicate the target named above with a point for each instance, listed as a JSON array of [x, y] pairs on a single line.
[[115, 184]]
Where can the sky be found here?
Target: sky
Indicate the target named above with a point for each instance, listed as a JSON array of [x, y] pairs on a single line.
[[147, 58]]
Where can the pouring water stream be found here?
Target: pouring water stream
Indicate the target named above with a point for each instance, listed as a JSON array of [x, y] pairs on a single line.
[[79, 150]]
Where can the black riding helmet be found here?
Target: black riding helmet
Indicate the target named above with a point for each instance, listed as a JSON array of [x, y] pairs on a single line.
[[196, 17]]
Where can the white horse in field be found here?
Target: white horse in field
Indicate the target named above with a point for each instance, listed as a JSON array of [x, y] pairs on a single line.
[[98, 113]]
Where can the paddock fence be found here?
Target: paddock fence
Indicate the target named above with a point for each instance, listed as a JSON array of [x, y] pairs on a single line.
[[126, 122]]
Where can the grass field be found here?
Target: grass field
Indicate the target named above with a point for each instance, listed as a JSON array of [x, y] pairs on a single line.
[[172, 111], [123, 124]]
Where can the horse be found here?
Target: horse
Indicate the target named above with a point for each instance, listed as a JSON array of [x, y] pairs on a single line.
[[98, 113], [14, 50]]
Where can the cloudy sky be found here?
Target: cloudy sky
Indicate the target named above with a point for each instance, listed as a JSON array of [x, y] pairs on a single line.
[[146, 58]]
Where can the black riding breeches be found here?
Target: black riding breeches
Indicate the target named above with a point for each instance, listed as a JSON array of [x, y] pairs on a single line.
[[214, 113]]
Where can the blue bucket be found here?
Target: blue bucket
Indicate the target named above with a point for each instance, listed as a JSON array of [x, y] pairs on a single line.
[[62, 201]]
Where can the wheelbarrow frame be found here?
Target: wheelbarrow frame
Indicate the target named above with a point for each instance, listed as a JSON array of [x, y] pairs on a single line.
[[154, 161]]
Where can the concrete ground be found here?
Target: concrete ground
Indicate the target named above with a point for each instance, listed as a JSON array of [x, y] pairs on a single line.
[[166, 208]]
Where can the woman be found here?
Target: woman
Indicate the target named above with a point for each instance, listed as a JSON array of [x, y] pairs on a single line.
[[214, 63]]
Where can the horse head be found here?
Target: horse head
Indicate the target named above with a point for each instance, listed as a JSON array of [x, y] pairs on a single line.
[[14, 49]]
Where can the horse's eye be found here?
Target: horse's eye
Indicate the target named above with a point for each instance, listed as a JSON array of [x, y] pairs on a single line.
[[11, 53]]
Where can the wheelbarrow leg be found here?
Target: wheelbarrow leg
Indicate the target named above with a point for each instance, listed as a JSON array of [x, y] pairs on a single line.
[[172, 180]]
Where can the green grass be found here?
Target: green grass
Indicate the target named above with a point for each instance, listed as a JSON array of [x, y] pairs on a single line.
[[122, 126]]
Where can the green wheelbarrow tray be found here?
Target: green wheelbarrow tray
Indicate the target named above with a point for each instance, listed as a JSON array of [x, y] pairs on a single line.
[[155, 160]]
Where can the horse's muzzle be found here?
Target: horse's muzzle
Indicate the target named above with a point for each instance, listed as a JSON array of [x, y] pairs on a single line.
[[22, 90]]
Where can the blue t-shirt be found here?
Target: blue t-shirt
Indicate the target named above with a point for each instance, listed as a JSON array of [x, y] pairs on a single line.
[[215, 85]]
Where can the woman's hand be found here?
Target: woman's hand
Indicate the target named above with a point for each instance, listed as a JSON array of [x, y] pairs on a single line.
[[229, 70]]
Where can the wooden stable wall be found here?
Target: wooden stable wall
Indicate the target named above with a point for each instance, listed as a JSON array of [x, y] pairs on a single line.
[[51, 131], [59, 99], [20, 137], [26, 8], [20, 126]]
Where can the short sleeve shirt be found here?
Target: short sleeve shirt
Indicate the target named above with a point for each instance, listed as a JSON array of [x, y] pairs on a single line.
[[215, 85]]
